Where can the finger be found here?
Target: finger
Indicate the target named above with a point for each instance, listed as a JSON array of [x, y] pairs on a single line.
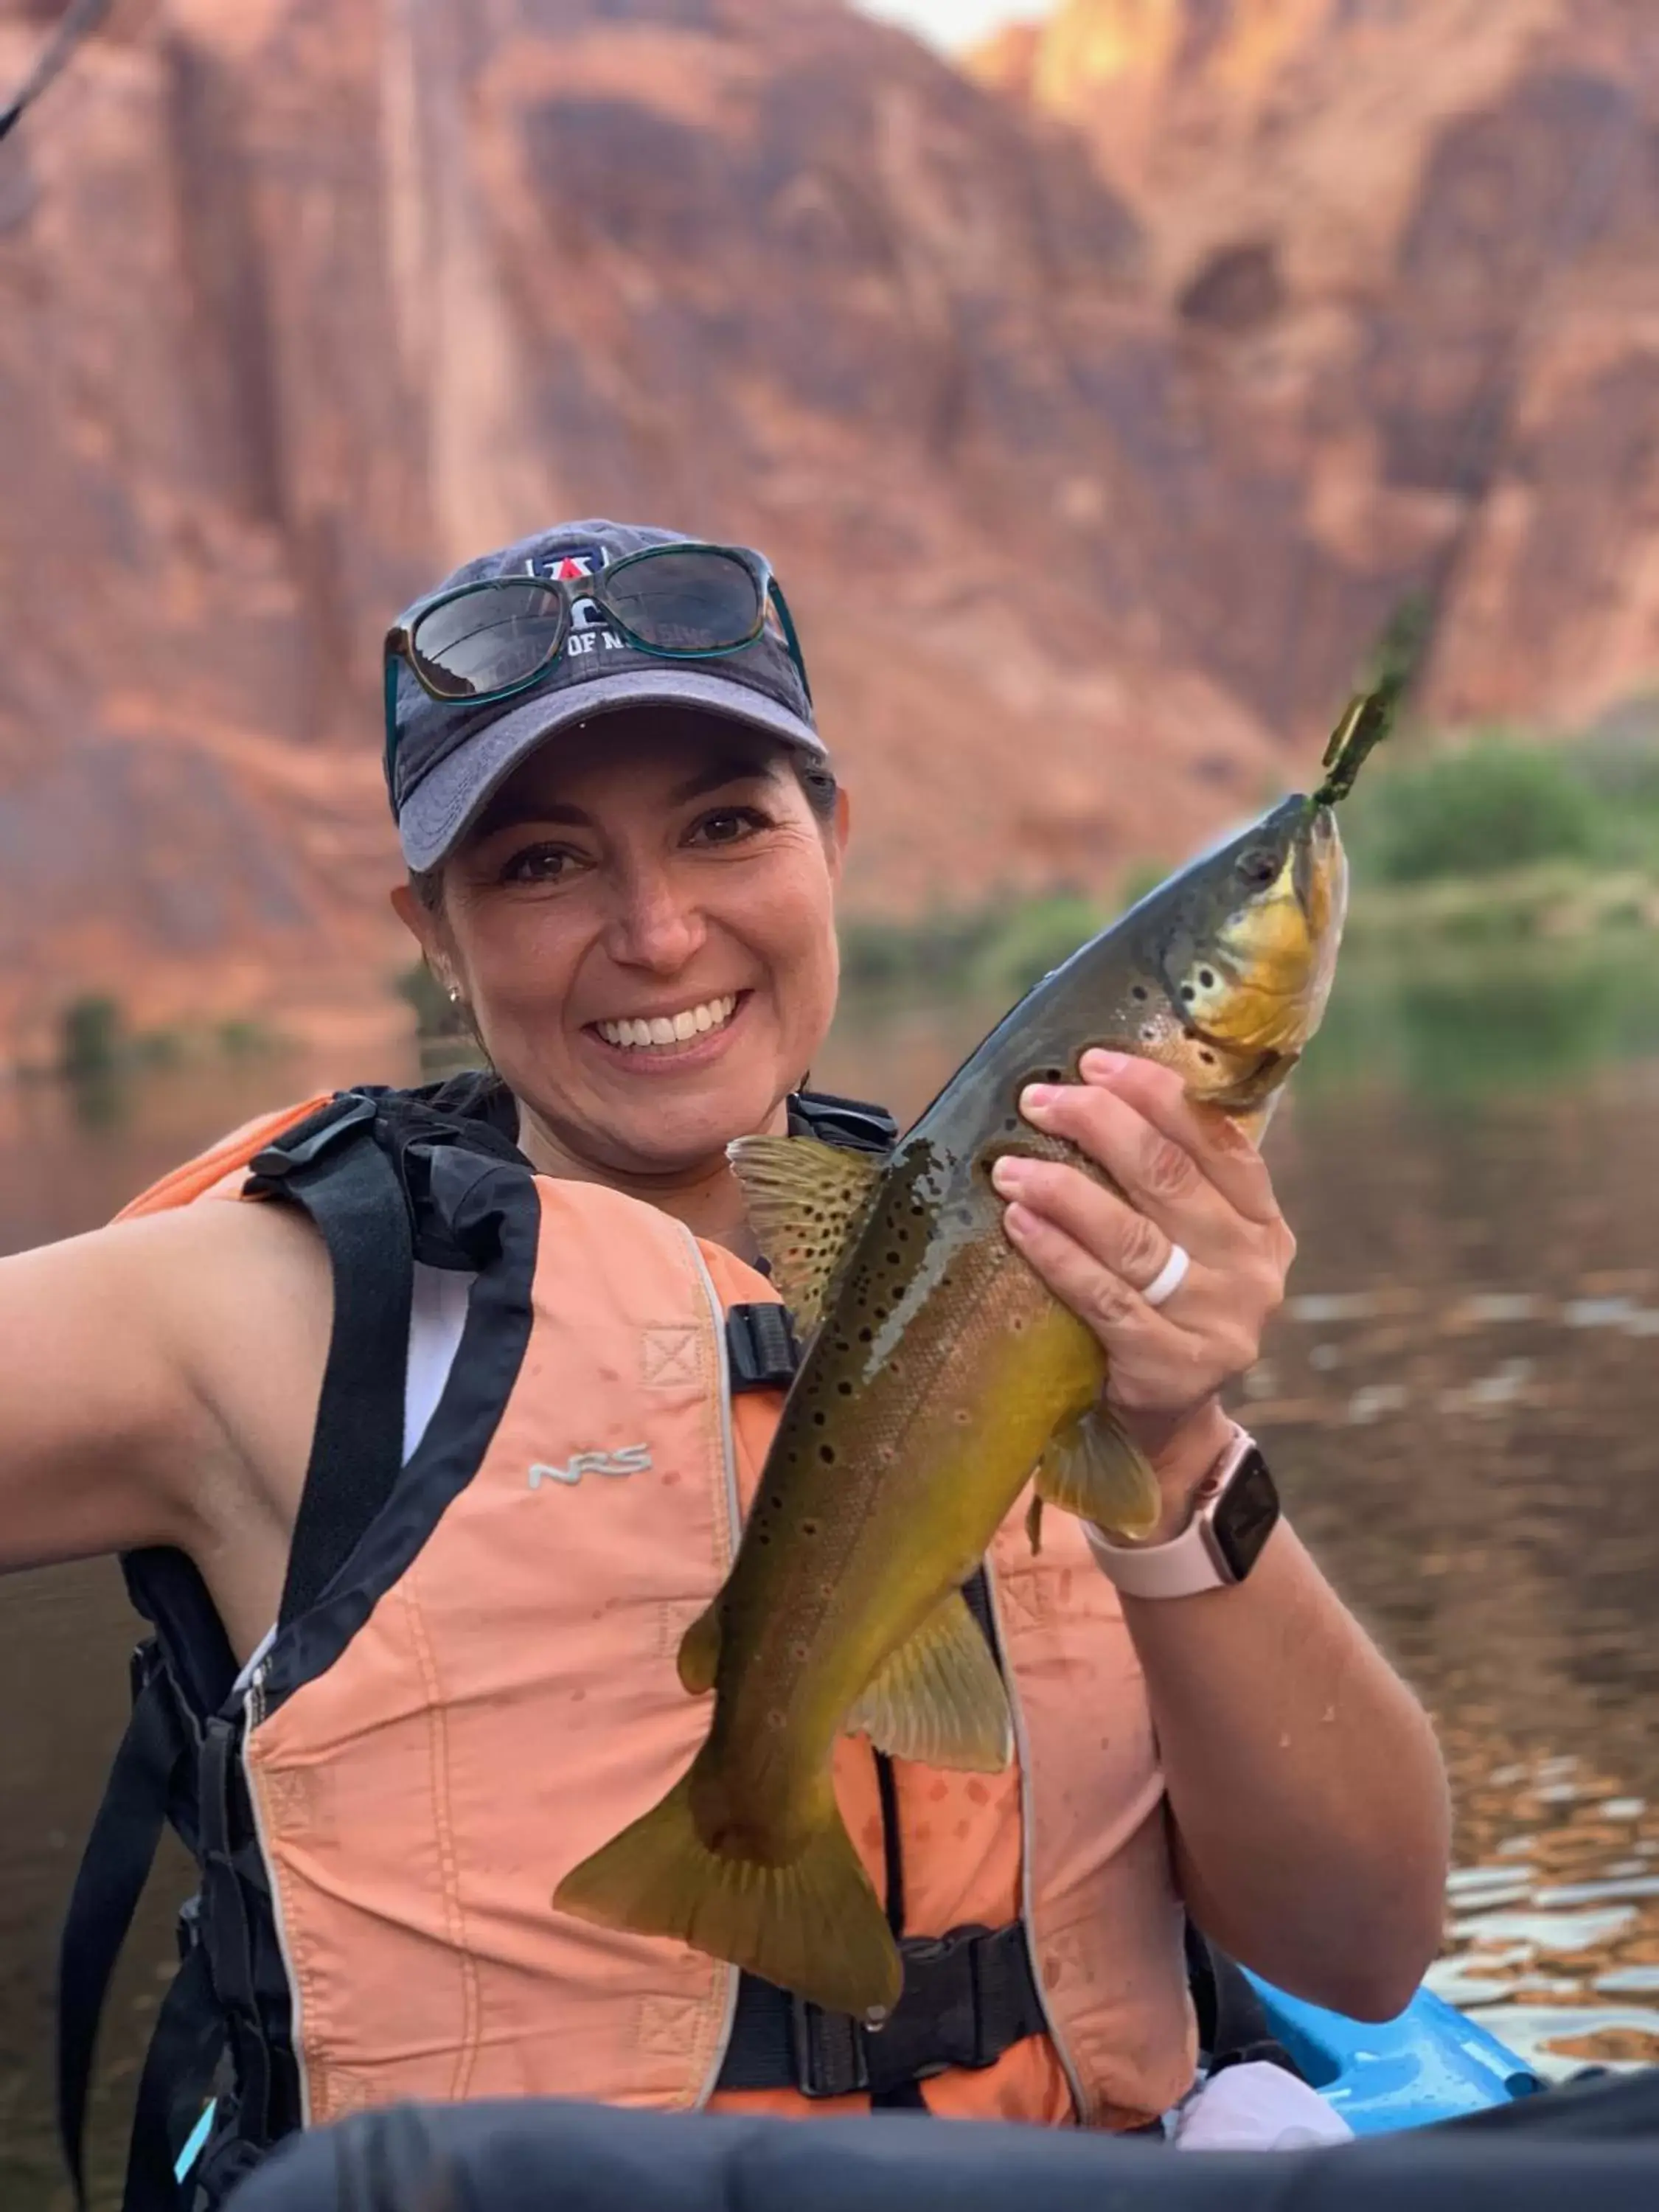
[[1151, 1359], [1107, 1229], [1221, 1150], [1157, 1176]]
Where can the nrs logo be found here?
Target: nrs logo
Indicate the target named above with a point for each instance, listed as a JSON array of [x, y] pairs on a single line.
[[632, 1459]]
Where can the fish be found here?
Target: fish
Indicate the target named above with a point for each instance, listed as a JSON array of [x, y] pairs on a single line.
[[939, 1373]]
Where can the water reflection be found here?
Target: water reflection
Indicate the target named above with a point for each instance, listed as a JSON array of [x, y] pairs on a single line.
[[1461, 1398]]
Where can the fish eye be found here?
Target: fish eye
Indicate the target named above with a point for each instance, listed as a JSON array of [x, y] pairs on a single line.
[[1259, 866]]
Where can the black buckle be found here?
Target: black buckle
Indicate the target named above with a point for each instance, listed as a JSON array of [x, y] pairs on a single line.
[[761, 1348], [327, 1127], [968, 1998], [830, 2050]]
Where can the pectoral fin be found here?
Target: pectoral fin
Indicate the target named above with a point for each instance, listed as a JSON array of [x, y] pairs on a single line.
[[700, 1651], [1091, 1469], [806, 1202], [938, 1698]]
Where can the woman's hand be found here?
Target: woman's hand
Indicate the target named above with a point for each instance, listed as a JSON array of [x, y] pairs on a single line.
[[1191, 1178]]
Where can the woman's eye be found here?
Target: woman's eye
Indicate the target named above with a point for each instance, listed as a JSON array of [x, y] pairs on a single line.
[[539, 864], [730, 825]]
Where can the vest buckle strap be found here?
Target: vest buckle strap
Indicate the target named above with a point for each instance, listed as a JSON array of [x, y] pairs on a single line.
[[968, 1998], [760, 1347]]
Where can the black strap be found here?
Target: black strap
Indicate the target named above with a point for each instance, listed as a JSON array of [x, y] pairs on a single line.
[[1233, 2028], [853, 1123], [761, 1349], [968, 1998], [334, 1169], [186, 2042], [119, 1852]]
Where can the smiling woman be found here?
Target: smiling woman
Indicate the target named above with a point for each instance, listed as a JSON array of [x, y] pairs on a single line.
[[640, 927], [471, 1392]]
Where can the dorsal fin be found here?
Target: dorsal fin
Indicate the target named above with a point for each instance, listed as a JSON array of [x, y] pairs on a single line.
[[806, 1202]]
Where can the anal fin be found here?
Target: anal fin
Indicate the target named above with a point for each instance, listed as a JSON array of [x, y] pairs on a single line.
[[938, 1698], [1091, 1468]]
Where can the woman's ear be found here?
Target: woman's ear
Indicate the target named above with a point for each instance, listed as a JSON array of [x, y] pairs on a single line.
[[841, 829], [421, 921]]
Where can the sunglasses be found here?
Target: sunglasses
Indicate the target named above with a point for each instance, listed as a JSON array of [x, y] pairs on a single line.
[[493, 640]]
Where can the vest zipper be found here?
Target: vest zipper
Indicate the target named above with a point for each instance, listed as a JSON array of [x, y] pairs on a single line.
[[1027, 1907], [734, 1530], [253, 1711]]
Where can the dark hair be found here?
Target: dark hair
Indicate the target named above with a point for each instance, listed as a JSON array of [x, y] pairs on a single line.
[[818, 786]]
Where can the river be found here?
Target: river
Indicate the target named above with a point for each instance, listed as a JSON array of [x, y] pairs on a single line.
[[1461, 1399]]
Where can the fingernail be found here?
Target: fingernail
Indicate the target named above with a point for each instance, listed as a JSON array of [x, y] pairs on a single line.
[[1018, 1222], [1035, 1097], [1008, 1174], [1103, 1066]]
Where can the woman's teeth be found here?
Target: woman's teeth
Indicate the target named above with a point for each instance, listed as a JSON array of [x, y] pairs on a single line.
[[669, 1029]]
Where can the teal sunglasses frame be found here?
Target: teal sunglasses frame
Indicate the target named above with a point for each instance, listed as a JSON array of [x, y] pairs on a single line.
[[399, 647]]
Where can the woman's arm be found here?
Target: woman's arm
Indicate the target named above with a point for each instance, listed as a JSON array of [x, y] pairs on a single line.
[[1305, 1786], [158, 1383]]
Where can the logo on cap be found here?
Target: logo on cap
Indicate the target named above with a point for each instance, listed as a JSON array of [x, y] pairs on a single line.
[[590, 626]]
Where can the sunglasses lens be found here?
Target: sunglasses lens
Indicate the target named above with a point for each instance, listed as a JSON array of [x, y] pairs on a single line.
[[487, 642], [691, 602]]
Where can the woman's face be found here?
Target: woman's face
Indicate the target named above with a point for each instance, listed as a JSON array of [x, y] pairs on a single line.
[[642, 925]]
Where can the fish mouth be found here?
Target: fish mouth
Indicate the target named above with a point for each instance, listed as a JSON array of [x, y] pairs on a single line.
[[1253, 989]]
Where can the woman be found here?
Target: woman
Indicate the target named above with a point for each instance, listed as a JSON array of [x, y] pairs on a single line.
[[470, 1407]]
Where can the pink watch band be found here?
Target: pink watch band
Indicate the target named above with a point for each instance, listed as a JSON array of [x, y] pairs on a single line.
[[1188, 1563]]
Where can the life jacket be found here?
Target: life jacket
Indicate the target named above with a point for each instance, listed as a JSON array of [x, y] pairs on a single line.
[[472, 1684]]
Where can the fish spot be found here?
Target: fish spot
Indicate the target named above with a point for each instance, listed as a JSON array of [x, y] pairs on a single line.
[[1208, 1058], [1187, 993], [809, 1528], [845, 1389], [1148, 1035], [978, 1792], [892, 1258], [1137, 991], [799, 1652], [962, 1416], [1207, 977], [866, 1336], [827, 1454], [819, 1418]]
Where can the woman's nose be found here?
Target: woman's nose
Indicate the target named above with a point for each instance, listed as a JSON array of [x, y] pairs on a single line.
[[653, 924]]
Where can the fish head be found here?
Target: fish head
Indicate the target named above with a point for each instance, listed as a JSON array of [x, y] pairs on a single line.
[[1245, 942]]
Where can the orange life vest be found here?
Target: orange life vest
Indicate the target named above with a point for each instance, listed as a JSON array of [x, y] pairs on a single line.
[[486, 1692]]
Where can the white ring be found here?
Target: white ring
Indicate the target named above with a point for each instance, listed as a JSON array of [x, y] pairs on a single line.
[[1170, 1278]]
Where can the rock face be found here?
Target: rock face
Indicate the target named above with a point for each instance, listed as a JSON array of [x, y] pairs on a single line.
[[300, 302], [1409, 244], [1096, 417]]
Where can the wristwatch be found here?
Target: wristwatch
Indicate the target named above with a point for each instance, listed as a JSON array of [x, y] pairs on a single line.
[[1235, 1510]]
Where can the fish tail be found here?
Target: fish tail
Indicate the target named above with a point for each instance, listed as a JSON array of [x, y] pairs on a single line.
[[814, 1925]]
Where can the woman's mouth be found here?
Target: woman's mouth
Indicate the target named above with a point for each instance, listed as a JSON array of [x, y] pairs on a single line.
[[669, 1036]]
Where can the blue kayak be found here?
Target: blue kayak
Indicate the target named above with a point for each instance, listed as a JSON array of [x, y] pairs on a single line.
[[1430, 2064]]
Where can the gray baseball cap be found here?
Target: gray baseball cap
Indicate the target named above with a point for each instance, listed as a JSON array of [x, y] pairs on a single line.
[[445, 759]]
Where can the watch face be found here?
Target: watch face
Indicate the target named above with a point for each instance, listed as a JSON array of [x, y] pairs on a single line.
[[1245, 1515]]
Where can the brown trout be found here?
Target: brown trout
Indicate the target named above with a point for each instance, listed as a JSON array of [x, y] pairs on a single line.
[[941, 1373]]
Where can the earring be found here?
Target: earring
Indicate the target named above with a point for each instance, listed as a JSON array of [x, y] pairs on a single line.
[[454, 994]]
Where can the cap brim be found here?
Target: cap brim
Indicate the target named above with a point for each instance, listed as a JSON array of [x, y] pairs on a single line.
[[445, 803]]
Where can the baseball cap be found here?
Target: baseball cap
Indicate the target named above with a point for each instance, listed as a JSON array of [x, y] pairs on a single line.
[[450, 757]]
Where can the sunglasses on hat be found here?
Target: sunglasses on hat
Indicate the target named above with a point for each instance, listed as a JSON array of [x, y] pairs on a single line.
[[495, 639]]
